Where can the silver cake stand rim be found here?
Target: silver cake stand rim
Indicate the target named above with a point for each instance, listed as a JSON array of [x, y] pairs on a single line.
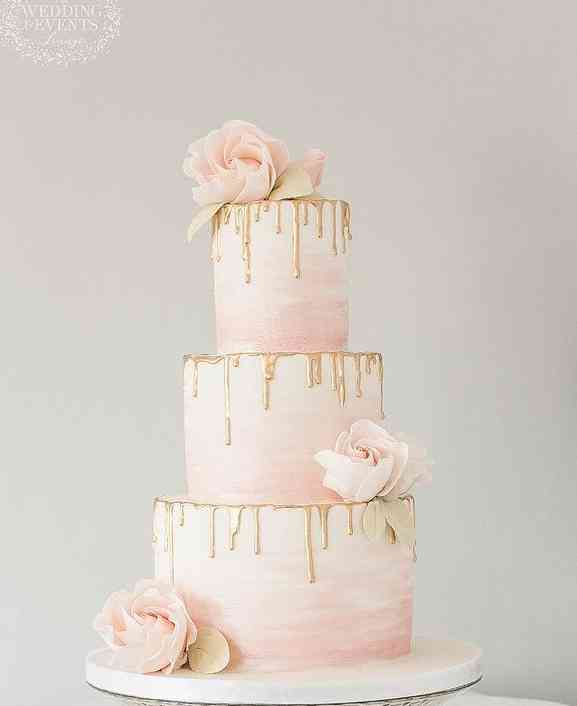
[[396, 701]]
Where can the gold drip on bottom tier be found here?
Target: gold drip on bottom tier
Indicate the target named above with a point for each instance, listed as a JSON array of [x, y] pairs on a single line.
[[170, 513], [363, 364], [243, 215]]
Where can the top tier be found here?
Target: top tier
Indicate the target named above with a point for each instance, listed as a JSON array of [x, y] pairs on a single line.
[[280, 276]]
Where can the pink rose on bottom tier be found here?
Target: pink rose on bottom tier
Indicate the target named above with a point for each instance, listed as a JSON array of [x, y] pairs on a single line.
[[368, 462], [148, 629]]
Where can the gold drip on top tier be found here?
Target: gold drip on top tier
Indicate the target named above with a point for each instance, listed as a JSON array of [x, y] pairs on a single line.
[[234, 514], [243, 215], [313, 373]]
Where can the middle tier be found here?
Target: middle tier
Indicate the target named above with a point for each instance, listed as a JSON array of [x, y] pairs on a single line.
[[254, 421]]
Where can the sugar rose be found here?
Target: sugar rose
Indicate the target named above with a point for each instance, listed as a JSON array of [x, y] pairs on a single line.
[[238, 163], [368, 461], [148, 629]]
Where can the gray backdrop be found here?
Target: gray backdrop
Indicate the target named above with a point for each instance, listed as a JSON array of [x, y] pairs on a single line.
[[451, 128]]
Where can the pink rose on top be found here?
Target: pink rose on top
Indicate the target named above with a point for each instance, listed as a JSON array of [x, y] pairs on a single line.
[[369, 461], [236, 164], [148, 630]]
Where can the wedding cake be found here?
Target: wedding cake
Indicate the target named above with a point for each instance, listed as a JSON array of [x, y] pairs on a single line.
[[293, 546]]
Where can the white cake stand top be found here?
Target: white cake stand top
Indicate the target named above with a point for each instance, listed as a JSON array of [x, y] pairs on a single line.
[[433, 670]]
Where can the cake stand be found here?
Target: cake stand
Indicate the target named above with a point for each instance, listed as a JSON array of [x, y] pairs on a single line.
[[434, 671]]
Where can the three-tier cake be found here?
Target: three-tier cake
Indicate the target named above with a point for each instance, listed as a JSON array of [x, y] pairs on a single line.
[[294, 544]]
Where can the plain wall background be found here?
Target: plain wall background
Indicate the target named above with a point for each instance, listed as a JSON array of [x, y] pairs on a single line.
[[451, 126]]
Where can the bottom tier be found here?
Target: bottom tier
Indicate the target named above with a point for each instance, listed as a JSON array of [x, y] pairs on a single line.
[[291, 587]]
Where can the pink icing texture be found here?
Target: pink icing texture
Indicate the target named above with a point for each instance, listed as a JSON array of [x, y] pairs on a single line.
[[359, 608], [271, 454], [276, 311]]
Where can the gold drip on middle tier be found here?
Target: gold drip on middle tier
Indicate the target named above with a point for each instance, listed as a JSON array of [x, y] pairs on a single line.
[[363, 364]]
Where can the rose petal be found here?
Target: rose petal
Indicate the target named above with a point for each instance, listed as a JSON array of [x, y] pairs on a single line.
[[314, 164], [374, 481], [149, 629], [210, 653]]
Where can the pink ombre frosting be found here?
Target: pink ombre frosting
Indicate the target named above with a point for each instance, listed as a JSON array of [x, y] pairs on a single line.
[[276, 311], [271, 454], [359, 608]]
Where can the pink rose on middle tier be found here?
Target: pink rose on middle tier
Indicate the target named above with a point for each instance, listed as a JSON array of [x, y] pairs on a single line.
[[368, 462]]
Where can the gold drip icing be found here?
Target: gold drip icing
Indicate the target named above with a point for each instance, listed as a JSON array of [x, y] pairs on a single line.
[[234, 514], [369, 364], [313, 375], [296, 241], [346, 224], [256, 529], [242, 226], [320, 212], [314, 369], [309, 544], [195, 360], [338, 375], [268, 363], [317, 370], [181, 516], [350, 520], [343, 232], [211, 513], [358, 375], [323, 517], [215, 232], [333, 371], [410, 500]]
